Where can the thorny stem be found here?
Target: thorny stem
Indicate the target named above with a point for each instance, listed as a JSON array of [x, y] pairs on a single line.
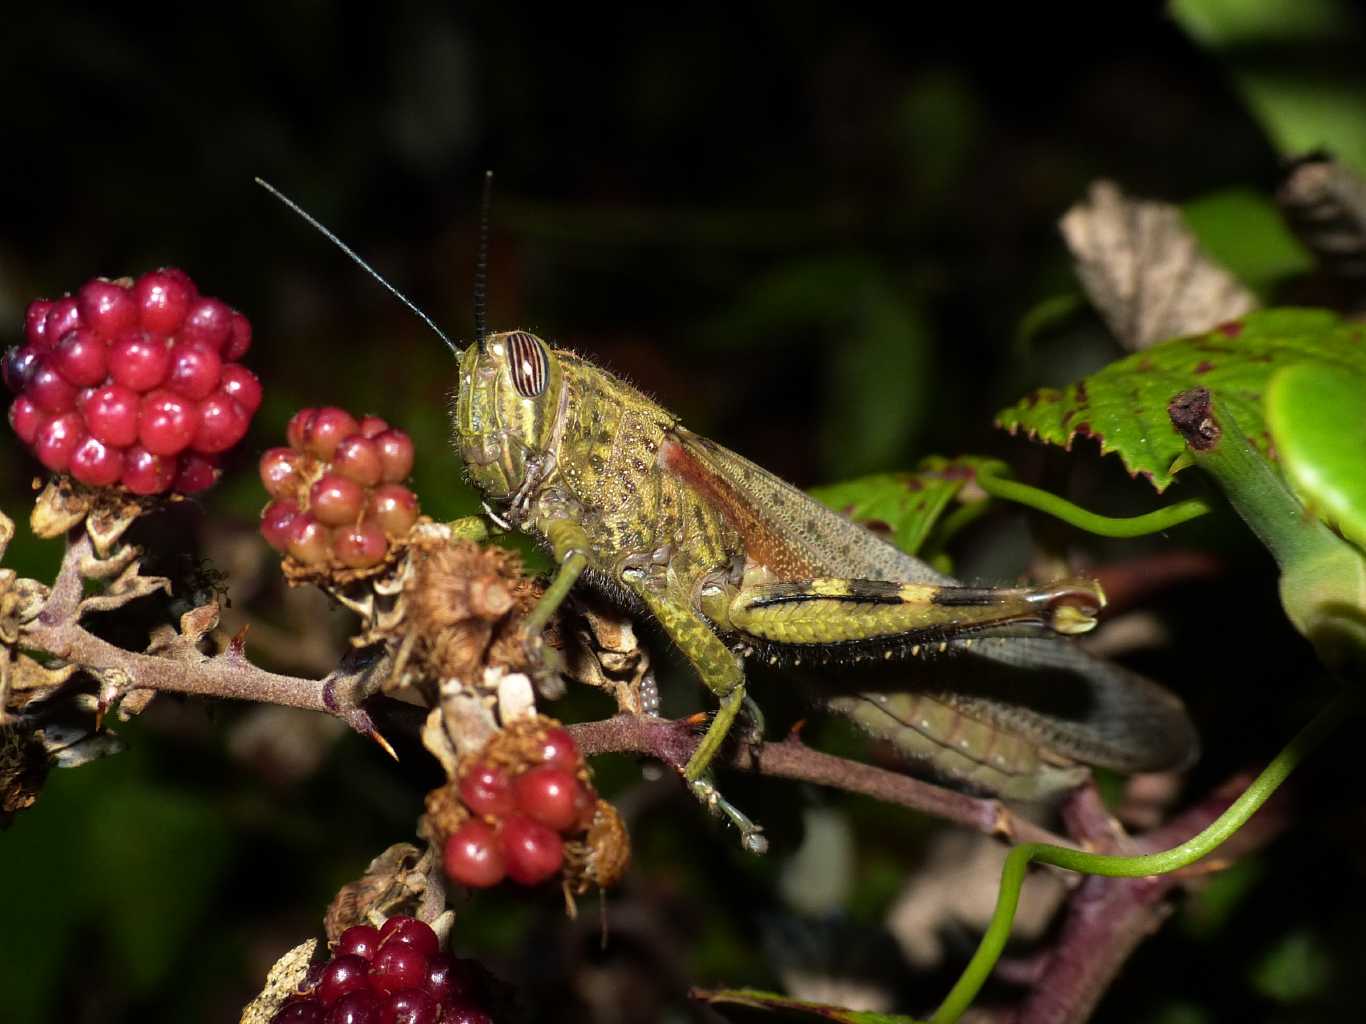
[[1104, 526], [673, 743]]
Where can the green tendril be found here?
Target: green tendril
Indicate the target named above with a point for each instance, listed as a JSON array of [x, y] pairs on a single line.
[[1161, 863], [1105, 526]]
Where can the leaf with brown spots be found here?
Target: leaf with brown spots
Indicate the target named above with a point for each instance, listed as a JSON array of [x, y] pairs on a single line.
[[1124, 406], [904, 507]]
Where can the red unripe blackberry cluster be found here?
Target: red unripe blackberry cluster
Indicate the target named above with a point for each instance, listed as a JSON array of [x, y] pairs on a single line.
[[519, 819], [338, 500], [133, 383], [395, 974]]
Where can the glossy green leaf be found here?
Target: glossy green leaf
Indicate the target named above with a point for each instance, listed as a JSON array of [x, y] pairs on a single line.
[[904, 507], [755, 999], [1124, 406], [1317, 416]]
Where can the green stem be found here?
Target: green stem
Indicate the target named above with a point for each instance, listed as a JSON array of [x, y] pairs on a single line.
[[1198, 846], [1105, 526]]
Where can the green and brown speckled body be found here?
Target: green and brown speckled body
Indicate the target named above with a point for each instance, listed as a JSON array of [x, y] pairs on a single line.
[[734, 562]]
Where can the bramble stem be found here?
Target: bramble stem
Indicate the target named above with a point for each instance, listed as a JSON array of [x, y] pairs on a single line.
[[1105, 526], [1162, 862]]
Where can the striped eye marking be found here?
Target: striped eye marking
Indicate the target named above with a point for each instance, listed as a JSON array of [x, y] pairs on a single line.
[[529, 364]]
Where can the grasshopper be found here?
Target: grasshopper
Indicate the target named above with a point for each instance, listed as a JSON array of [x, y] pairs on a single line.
[[736, 564]]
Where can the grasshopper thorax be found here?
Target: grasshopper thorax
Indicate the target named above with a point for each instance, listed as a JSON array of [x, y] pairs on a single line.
[[506, 412]]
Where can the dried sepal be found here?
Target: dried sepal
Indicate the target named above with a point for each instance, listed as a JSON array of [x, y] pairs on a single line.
[[401, 879], [128, 585], [107, 512], [600, 859], [6, 533], [21, 599], [600, 648], [24, 766], [461, 721], [284, 979]]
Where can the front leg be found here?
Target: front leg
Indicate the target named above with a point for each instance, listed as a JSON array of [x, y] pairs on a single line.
[[569, 546], [722, 673]]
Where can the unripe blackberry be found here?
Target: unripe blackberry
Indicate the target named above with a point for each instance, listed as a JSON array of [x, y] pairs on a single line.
[[142, 366], [472, 855], [332, 476], [532, 852]]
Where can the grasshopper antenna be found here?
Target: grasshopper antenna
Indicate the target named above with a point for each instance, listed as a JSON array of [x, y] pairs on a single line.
[[331, 237], [481, 266]]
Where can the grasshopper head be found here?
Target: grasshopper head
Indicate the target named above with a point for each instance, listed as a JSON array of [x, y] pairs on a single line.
[[505, 409]]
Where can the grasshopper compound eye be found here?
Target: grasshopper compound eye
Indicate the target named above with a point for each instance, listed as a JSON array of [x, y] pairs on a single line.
[[529, 363]]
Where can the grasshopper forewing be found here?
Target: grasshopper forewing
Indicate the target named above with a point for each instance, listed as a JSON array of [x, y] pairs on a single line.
[[733, 562]]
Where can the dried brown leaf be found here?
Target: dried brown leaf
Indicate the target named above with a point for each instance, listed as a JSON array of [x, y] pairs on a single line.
[[1144, 270], [284, 979], [401, 879]]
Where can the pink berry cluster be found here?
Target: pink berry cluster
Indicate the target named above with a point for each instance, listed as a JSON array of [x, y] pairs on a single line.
[[337, 496], [519, 819], [396, 974], [133, 383]]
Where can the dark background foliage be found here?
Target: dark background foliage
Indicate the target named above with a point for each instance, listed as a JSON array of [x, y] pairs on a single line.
[[815, 232]]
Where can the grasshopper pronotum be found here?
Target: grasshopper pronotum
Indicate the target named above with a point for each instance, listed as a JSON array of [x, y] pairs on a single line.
[[735, 563]]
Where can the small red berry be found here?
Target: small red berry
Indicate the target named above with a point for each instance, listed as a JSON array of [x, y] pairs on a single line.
[[222, 423], [549, 795], [304, 1011], [57, 439], [487, 789], [411, 932], [82, 357], [559, 749], [25, 418], [357, 457], [167, 422], [105, 307], [394, 508], [208, 322], [195, 472], [359, 940], [355, 1008], [472, 855], [35, 322], [239, 382], [359, 546], [49, 390], [342, 975], [396, 454], [531, 851], [62, 316], [309, 540], [277, 523], [296, 430], [146, 473], [450, 978], [279, 468], [396, 967], [139, 360], [327, 429], [410, 1007], [372, 425], [96, 464], [19, 364], [163, 299], [239, 337], [194, 370], [335, 500], [111, 414]]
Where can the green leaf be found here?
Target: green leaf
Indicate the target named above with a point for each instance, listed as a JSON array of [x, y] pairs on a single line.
[[758, 1000], [1244, 230], [904, 507], [1124, 406], [1317, 416], [1297, 64], [1297, 968]]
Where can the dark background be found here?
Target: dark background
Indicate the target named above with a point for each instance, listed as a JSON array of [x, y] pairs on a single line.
[[813, 231]]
